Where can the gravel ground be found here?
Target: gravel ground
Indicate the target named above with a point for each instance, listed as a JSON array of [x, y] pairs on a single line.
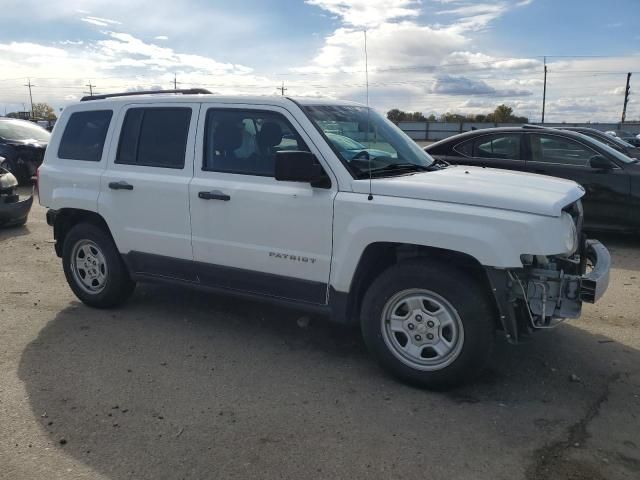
[[181, 384]]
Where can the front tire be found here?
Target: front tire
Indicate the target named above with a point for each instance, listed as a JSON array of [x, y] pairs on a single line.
[[94, 268], [429, 324]]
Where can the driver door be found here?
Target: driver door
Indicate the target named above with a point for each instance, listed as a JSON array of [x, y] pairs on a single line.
[[251, 232]]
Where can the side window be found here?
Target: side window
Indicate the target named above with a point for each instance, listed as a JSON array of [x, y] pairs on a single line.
[[154, 137], [465, 148], [506, 146], [246, 141], [559, 150], [84, 135]]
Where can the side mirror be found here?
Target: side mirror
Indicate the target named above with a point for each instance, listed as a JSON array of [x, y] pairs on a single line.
[[600, 163], [298, 166]]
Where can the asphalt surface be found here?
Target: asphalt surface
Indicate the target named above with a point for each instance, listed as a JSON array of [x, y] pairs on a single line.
[[181, 384]]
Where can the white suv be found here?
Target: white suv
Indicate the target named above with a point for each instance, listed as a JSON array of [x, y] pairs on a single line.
[[318, 204]]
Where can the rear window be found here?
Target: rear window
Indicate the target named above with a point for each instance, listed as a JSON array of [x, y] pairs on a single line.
[[84, 135], [154, 137]]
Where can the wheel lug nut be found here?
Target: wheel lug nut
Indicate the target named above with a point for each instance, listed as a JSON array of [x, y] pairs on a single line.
[[418, 318], [411, 326], [430, 324], [430, 336], [418, 337]]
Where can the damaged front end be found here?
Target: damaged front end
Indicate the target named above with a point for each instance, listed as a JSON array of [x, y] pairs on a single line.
[[14, 208], [550, 289]]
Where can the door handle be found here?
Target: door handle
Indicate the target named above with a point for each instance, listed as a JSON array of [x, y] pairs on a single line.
[[214, 195], [121, 185]]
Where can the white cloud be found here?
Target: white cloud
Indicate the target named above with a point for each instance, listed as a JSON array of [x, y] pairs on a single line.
[[460, 85], [101, 22], [369, 13], [414, 62]]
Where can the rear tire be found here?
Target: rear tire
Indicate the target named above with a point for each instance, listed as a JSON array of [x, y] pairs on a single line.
[[430, 324], [94, 268]]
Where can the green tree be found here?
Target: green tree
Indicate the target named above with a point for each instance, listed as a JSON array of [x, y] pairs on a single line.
[[43, 111], [452, 117], [395, 115], [502, 113]]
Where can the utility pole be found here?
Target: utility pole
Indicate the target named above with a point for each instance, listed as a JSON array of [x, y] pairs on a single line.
[[175, 82], [29, 84], [90, 87], [282, 89], [627, 91], [544, 89]]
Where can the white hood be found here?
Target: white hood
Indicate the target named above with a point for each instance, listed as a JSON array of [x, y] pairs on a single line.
[[486, 187]]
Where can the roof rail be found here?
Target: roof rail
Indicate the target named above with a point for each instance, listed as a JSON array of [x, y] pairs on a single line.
[[529, 125], [183, 91]]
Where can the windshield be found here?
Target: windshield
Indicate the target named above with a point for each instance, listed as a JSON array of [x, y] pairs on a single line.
[[604, 138], [611, 151], [365, 140], [609, 139], [22, 130], [344, 143]]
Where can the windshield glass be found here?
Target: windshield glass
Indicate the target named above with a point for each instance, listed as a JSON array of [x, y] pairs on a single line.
[[365, 140], [611, 151], [604, 138], [22, 130]]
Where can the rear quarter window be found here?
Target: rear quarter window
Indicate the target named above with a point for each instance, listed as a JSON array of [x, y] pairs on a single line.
[[465, 148], [84, 135]]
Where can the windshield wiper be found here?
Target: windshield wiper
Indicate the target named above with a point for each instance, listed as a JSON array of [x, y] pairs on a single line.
[[399, 168]]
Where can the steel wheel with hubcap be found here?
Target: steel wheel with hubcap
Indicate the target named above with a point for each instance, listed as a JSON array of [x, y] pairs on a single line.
[[430, 323], [422, 329], [89, 266], [94, 268]]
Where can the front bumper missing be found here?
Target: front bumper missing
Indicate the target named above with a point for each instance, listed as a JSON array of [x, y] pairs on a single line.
[[542, 295]]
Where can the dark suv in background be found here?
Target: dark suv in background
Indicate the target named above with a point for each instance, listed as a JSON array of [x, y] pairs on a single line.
[[22, 146], [610, 178]]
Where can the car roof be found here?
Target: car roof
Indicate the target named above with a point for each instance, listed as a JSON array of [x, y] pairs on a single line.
[[582, 129], [279, 100], [486, 131]]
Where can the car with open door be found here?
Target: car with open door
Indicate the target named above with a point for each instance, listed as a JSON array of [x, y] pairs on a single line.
[[611, 179]]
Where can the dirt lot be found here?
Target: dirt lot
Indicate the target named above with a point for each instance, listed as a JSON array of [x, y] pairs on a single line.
[[180, 384]]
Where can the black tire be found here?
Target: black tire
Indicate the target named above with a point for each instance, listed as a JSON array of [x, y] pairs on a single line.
[[475, 313], [118, 285]]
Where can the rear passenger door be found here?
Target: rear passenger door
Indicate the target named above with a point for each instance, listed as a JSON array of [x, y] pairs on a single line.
[[144, 194]]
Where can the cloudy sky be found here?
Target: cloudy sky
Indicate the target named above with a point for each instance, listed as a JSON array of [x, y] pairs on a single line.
[[431, 56]]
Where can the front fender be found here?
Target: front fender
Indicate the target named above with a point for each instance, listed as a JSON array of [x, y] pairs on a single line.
[[494, 237]]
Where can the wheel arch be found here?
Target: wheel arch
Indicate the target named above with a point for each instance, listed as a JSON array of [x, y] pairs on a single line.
[[67, 218], [379, 256]]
